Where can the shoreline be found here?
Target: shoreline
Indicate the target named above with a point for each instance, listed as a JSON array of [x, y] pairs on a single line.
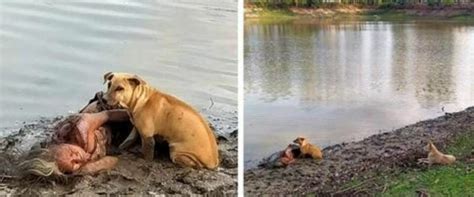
[[132, 175], [380, 154], [462, 13]]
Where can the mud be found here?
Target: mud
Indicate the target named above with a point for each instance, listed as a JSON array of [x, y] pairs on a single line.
[[365, 159], [133, 175]]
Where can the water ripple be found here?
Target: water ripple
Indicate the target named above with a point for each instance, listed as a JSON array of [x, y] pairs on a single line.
[[54, 53]]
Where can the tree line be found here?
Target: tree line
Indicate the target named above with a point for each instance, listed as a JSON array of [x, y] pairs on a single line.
[[317, 3]]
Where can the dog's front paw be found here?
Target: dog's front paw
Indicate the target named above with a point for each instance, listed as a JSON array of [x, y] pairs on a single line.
[[423, 161]]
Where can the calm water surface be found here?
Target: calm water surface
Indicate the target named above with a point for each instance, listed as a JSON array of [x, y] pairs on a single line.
[[53, 54], [342, 81]]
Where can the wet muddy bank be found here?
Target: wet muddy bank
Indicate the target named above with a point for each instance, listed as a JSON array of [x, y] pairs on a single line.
[[133, 175], [365, 159]]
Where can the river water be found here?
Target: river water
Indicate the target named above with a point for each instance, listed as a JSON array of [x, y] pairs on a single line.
[[335, 81], [53, 53]]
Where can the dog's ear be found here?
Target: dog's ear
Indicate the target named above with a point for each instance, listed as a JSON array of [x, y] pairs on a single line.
[[296, 140], [430, 145], [108, 76], [136, 81], [430, 142]]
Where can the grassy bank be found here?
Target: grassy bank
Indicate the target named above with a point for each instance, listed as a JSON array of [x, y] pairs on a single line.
[[454, 180], [383, 164], [362, 13]]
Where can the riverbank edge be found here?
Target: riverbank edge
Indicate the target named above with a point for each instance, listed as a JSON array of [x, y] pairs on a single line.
[[371, 165], [345, 12]]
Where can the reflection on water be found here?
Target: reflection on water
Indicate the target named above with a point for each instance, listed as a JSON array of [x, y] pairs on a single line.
[[341, 81], [53, 53]]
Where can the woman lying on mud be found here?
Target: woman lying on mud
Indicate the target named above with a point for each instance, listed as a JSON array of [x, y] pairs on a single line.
[[300, 149], [79, 144], [282, 158]]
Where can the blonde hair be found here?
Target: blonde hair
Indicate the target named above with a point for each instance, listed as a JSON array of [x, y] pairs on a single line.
[[40, 163]]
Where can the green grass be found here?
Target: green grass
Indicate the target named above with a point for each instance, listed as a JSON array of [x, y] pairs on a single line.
[[454, 180], [276, 13], [463, 18], [271, 16], [387, 15], [463, 145]]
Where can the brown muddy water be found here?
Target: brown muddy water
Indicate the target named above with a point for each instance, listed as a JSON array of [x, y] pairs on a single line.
[[342, 81], [53, 54]]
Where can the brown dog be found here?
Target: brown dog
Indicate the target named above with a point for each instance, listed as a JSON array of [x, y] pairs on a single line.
[[156, 114], [308, 149], [436, 157]]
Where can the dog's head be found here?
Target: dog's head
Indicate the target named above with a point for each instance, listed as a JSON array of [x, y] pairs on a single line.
[[120, 87], [300, 140]]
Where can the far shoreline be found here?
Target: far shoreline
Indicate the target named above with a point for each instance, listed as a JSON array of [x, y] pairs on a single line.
[[457, 13]]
